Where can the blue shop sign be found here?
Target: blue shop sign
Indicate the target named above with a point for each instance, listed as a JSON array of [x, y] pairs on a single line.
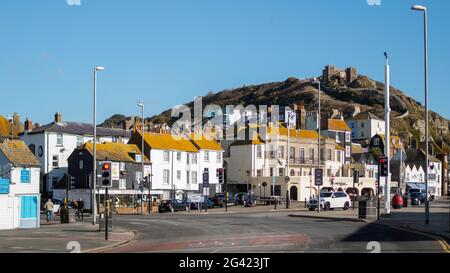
[[4, 186], [25, 176]]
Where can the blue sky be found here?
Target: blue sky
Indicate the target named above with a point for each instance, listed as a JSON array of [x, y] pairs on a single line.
[[166, 52]]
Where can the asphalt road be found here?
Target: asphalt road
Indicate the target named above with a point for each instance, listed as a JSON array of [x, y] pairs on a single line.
[[266, 232]]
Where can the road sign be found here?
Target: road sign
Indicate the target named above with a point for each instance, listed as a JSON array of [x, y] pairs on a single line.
[[205, 179], [264, 184], [4, 186], [287, 179], [318, 177], [196, 198]]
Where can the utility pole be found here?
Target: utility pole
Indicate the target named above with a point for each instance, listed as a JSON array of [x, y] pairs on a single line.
[[94, 167], [427, 162], [387, 147], [318, 144]]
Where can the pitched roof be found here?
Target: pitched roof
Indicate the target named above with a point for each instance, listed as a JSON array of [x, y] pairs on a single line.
[[335, 125], [78, 128], [365, 116], [169, 142], [395, 141], [118, 152], [205, 143], [309, 134], [18, 153], [357, 149], [416, 155], [254, 141]]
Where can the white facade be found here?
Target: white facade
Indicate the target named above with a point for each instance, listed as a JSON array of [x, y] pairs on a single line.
[[53, 149], [366, 129], [416, 174], [13, 213], [181, 172]]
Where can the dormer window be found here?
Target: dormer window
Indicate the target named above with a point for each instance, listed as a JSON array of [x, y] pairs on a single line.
[[138, 158]]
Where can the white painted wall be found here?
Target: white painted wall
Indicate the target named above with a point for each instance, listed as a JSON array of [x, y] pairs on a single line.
[[10, 203], [366, 128], [48, 142]]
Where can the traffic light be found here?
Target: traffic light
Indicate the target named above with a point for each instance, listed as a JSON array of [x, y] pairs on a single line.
[[221, 173], [145, 182], [106, 174], [72, 182], [355, 177], [383, 166]]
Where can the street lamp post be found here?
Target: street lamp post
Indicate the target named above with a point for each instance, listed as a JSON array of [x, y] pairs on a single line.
[[318, 142], [141, 105], [94, 167], [425, 14]]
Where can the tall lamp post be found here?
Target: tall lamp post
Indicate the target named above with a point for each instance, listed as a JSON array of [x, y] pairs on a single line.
[[141, 105], [318, 141], [425, 14], [94, 167]]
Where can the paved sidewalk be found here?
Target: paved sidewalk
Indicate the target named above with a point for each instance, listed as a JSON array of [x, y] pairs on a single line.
[[336, 215], [414, 218], [55, 238]]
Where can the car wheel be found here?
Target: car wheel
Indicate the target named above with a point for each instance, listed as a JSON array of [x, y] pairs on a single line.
[[346, 206], [327, 206]]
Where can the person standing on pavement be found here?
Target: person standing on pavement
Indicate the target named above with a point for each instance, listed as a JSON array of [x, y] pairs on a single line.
[[80, 209], [49, 210]]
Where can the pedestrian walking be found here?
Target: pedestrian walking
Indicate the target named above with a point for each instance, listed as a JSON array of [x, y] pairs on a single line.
[[80, 209], [49, 210]]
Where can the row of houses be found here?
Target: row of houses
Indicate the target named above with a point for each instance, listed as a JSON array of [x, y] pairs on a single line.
[[270, 161]]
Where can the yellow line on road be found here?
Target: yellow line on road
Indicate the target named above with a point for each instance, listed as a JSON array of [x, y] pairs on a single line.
[[440, 240]]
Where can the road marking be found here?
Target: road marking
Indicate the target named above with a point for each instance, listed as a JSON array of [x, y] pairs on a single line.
[[440, 240]]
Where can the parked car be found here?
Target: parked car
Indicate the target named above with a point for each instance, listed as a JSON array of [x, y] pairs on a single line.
[[249, 200], [239, 198], [219, 199], [330, 200], [167, 205], [202, 205], [417, 198]]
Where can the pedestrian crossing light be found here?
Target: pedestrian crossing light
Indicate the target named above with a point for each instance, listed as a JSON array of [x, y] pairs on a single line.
[[106, 174], [383, 166]]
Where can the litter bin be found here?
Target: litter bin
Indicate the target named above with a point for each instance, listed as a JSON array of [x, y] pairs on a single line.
[[367, 209], [397, 201], [67, 216], [102, 221], [405, 201]]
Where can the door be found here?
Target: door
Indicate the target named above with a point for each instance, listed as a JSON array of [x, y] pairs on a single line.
[[7, 213], [29, 212], [294, 193]]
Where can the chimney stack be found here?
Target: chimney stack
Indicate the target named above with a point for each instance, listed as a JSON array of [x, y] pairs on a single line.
[[16, 120], [28, 125], [58, 117]]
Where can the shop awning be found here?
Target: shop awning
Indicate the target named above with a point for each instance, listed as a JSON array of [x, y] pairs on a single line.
[[415, 186]]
